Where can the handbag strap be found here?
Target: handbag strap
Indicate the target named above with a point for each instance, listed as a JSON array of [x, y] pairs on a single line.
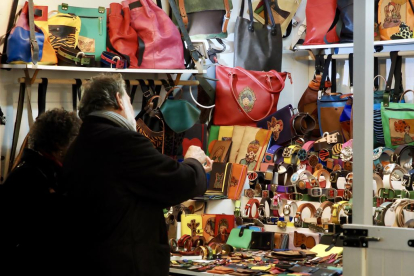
[[333, 76], [406, 91], [334, 22], [325, 72], [376, 73], [250, 10], [395, 71], [76, 93], [33, 42], [351, 72], [41, 96]]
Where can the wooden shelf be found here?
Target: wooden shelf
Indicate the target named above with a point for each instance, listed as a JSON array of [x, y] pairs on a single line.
[[351, 45], [98, 69]]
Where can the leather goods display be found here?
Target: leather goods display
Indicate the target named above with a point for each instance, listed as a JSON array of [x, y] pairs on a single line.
[[64, 30], [27, 41], [205, 19], [221, 151], [397, 122], [224, 225], [92, 36], [122, 39], [219, 178], [74, 57], [178, 114], [262, 240], [309, 99], [209, 224], [240, 238], [283, 12], [239, 92], [395, 19], [280, 124], [191, 224], [160, 45], [253, 147], [237, 180], [257, 47], [319, 17]]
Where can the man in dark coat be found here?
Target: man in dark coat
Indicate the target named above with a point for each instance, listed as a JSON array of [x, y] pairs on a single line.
[[119, 184]]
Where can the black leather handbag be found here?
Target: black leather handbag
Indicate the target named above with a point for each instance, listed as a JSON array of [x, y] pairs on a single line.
[[257, 47], [346, 8]]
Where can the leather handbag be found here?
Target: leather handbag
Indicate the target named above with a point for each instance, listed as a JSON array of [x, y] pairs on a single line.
[[397, 122], [283, 12], [319, 17], [64, 30], [178, 114], [28, 41], [257, 47], [92, 36], [309, 99], [245, 97], [396, 19], [262, 241], [240, 238], [205, 19], [122, 38], [346, 8], [160, 44]]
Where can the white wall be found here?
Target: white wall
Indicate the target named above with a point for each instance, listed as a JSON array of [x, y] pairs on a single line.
[[60, 95]]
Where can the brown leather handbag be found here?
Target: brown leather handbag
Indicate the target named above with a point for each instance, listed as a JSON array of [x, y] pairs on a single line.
[[309, 99]]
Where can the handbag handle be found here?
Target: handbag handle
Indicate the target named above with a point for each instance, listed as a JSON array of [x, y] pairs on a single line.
[[381, 77], [270, 91], [250, 9], [402, 95]]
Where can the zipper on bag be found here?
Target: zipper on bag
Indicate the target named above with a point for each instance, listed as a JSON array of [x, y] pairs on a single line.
[[399, 109], [95, 17]]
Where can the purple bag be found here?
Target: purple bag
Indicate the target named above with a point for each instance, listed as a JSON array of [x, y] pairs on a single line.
[[280, 125]]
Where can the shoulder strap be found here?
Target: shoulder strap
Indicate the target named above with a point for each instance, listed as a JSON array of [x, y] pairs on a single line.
[[351, 71], [33, 42], [335, 21], [41, 96], [325, 73], [76, 94], [333, 76], [376, 73], [17, 124]]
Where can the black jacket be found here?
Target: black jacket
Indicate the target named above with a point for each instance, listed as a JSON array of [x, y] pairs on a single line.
[[32, 219], [119, 185]]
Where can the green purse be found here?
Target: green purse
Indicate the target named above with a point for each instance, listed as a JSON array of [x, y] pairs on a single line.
[[397, 121], [92, 36], [179, 114], [240, 237]]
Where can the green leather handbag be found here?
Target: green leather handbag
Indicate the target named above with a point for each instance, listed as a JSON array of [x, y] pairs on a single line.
[[179, 114], [240, 237], [92, 36]]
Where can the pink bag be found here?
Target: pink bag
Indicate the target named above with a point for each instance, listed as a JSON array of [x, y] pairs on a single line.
[[160, 44]]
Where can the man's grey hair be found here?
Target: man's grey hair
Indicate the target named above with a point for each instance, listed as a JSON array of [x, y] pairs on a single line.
[[100, 93]]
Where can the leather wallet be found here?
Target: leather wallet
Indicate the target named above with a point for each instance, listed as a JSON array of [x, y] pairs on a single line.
[[219, 178], [262, 241], [221, 151]]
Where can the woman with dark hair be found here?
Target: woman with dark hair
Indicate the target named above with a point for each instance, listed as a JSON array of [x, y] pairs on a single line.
[[33, 208]]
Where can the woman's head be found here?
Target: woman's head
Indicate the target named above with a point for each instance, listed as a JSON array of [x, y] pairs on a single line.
[[53, 131]]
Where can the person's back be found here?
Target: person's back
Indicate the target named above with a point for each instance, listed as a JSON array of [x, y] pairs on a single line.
[[119, 184]]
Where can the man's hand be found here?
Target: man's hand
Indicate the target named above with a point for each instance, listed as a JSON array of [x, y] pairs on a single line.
[[197, 153]]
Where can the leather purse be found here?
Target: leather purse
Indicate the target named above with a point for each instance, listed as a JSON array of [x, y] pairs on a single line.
[[236, 181], [224, 225], [122, 38], [178, 114], [205, 19], [28, 41], [346, 8], [209, 224], [92, 36], [240, 238], [160, 44], [319, 17], [245, 97], [262, 241], [255, 46]]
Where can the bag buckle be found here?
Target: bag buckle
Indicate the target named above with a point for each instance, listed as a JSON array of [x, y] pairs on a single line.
[[80, 59], [115, 60]]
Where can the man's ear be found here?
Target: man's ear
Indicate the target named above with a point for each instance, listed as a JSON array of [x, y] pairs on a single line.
[[119, 100]]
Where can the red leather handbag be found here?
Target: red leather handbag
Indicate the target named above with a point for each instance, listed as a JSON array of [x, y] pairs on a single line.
[[320, 15], [160, 44], [123, 39], [245, 97]]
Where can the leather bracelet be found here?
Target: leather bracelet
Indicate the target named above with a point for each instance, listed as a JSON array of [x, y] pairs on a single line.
[[319, 211], [398, 207], [274, 154], [285, 190], [408, 181], [303, 123], [249, 206], [380, 213], [327, 141], [284, 174], [298, 218], [326, 175], [300, 184], [380, 184], [201, 251], [287, 210], [335, 175], [390, 171], [377, 154], [336, 209], [262, 207], [290, 155]]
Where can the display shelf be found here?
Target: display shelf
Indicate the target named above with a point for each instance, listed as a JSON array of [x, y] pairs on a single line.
[[351, 45], [98, 69]]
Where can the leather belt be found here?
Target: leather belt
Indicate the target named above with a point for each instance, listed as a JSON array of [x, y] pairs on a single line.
[[319, 211], [111, 60], [380, 184], [290, 155], [274, 154], [326, 175], [398, 207], [327, 141], [391, 171], [380, 213], [300, 183], [377, 154], [399, 152], [73, 57], [303, 123], [287, 209], [249, 206], [408, 180], [284, 174], [285, 190], [298, 218]]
